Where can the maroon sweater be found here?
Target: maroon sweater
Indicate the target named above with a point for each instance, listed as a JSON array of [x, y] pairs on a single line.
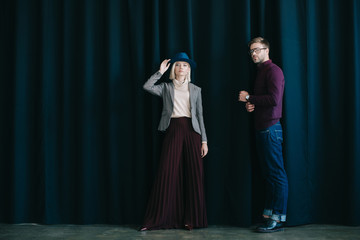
[[268, 95]]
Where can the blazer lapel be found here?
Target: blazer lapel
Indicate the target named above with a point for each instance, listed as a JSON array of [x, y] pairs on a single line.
[[192, 94], [172, 91]]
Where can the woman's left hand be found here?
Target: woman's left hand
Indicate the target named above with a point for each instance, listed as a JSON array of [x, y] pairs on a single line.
[[204, 149]]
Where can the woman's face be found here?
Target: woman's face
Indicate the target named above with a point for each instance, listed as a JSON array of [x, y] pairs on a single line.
[[181, 69]]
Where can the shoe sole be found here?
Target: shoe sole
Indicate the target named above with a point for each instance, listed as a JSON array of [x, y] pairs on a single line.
[[270, 231]]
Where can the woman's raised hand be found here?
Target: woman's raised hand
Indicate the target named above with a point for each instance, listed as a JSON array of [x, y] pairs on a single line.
[[164, 66]]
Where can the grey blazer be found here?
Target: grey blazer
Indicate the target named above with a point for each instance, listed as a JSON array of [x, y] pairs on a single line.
[[166, 91]]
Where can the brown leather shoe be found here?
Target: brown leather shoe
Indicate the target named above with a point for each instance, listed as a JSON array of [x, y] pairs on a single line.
[[188, 227]]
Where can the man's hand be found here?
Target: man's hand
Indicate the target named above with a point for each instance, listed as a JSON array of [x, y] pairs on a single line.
[[250, 107], [242, 96]]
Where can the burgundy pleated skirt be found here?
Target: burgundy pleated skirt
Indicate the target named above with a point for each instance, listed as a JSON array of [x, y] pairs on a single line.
[[177, 197]]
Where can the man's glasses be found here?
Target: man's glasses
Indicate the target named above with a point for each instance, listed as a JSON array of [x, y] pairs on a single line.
[[256, 50]]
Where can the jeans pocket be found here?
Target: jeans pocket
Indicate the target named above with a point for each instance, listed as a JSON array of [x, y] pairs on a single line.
[[279, 135]]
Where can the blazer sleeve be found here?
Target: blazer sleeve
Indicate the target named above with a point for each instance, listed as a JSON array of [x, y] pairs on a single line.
[[200, 117], [150, 86]]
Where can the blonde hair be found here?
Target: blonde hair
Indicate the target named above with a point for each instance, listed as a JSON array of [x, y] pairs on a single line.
[[173, 76]]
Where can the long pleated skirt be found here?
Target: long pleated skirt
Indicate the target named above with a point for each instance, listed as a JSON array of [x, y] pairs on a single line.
[[177, 196]]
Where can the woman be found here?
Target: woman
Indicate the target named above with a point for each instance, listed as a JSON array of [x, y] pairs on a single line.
[[177, 198]]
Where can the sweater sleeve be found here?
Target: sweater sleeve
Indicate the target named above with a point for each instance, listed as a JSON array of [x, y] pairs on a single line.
[[275, 86]]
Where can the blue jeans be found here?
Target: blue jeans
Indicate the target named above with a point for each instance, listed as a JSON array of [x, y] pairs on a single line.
[[269, 148]]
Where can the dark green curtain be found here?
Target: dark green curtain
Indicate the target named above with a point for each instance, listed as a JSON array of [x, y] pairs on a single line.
[[78, 138]]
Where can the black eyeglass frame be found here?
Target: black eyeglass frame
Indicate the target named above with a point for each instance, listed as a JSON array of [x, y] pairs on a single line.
[[256, 50]]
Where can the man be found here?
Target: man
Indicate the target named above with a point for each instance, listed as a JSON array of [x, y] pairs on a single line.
[[266, 103]]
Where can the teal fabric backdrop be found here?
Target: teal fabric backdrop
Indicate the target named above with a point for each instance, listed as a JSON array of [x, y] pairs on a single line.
[[78, 138]]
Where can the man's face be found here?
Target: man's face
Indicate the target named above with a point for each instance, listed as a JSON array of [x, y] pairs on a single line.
[[259, 53]]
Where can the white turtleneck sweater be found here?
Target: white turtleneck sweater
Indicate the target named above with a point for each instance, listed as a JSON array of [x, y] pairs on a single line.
[[181, 99]]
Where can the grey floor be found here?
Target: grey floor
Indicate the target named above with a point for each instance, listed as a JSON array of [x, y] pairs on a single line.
[[109, 232]]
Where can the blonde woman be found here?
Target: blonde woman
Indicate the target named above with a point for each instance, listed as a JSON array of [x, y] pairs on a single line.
[[177, 197]]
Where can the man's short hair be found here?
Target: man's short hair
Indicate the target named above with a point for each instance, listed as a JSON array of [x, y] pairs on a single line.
[[261, 40]]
